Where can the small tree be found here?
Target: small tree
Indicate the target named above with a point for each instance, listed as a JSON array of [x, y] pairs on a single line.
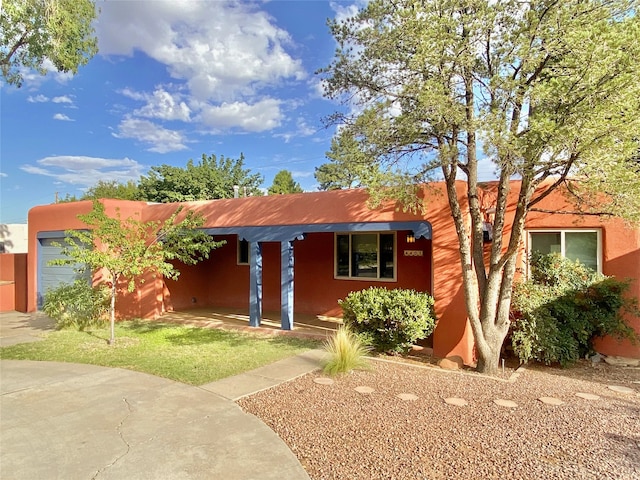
[[284, 183], [32, 31], [123, 247]]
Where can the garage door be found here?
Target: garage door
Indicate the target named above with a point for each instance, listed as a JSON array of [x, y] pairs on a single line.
[[51, 276]]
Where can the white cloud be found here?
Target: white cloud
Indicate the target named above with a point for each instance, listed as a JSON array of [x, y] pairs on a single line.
[[62, 99], [63, 117], [226, 55], [37, 99], [344, 11], [302, 130], [162, 140], [127, 92], [301, 173], [221, 49], [33, 79], [3, 175], [44, 99], [258, 117], [85, 171], [161, 105]]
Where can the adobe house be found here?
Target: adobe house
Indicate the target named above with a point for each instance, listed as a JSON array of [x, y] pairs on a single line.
[[303, 252]]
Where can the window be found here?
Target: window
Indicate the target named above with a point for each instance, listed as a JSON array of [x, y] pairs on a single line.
[[582, 245], [243, 252], [365, 255]]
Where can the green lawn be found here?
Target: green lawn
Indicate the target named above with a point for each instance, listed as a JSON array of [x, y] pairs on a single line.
[[187, 354]]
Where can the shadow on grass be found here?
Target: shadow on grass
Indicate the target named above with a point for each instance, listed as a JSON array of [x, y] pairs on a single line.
[[190, 336]]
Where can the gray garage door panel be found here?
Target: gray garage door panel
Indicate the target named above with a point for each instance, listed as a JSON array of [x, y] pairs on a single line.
[[51, 276]]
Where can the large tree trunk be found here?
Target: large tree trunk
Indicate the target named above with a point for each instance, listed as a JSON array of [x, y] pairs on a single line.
[[488, 293]]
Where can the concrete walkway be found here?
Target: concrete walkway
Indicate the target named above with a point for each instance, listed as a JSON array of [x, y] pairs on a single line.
[[16, 327], [71, 421]]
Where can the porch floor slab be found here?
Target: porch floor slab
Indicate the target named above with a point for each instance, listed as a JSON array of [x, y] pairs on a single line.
[[304, 325]]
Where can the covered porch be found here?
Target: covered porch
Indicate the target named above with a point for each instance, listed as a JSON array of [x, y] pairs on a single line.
[[286, 236]]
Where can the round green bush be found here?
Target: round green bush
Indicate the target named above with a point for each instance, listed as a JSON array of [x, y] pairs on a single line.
[[389, 320]]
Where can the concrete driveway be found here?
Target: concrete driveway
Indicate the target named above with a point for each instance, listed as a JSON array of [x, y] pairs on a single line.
[[70, 421]]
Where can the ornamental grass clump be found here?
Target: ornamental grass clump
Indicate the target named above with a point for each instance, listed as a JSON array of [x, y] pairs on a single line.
[[346, 352]]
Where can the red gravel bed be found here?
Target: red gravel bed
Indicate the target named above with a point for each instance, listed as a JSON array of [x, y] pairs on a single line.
[[338, 433]]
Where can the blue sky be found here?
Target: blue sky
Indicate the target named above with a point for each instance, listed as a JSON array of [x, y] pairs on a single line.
[[173, 80]]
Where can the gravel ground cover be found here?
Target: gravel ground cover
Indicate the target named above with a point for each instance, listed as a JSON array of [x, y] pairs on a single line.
[[339, 433]]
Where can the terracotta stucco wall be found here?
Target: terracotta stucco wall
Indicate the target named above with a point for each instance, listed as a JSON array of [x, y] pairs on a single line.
[[221, 282], [64, 216], [13, 282], [620, 257]]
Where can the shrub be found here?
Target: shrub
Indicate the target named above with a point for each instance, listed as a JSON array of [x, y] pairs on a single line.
[[389, 320], [346, 352], [77, 305], [563, 307]]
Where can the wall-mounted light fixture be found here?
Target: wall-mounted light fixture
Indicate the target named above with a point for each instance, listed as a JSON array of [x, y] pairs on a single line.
[[411, 238]]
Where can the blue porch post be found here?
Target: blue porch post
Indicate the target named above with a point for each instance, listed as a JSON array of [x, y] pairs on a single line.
[[255, 284], [286, 285]]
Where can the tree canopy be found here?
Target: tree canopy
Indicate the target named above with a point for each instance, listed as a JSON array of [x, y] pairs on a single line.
[[33, 31], [283, 183], [112, 189], [106, 189], [546, 90], [348, 167], [209, 179], [122, 247]]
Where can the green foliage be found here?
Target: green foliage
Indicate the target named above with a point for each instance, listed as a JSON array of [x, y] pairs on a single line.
[[563, 308], [549, 91], [428, 79], [348, 166], [106, 189], [32, 31], [284, 183], [182, 353], [389, 320], [112, 189], [77, 305], [209, 179], [128, 248], [346, 352]]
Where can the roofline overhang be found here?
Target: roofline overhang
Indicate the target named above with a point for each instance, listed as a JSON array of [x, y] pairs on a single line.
[[284, 233]]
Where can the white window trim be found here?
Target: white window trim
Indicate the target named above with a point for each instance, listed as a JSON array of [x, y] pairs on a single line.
[[562, 232], [366, 279]]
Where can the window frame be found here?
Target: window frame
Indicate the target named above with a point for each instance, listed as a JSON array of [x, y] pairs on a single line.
[[562, 232], [366, 279], [239, 250]]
